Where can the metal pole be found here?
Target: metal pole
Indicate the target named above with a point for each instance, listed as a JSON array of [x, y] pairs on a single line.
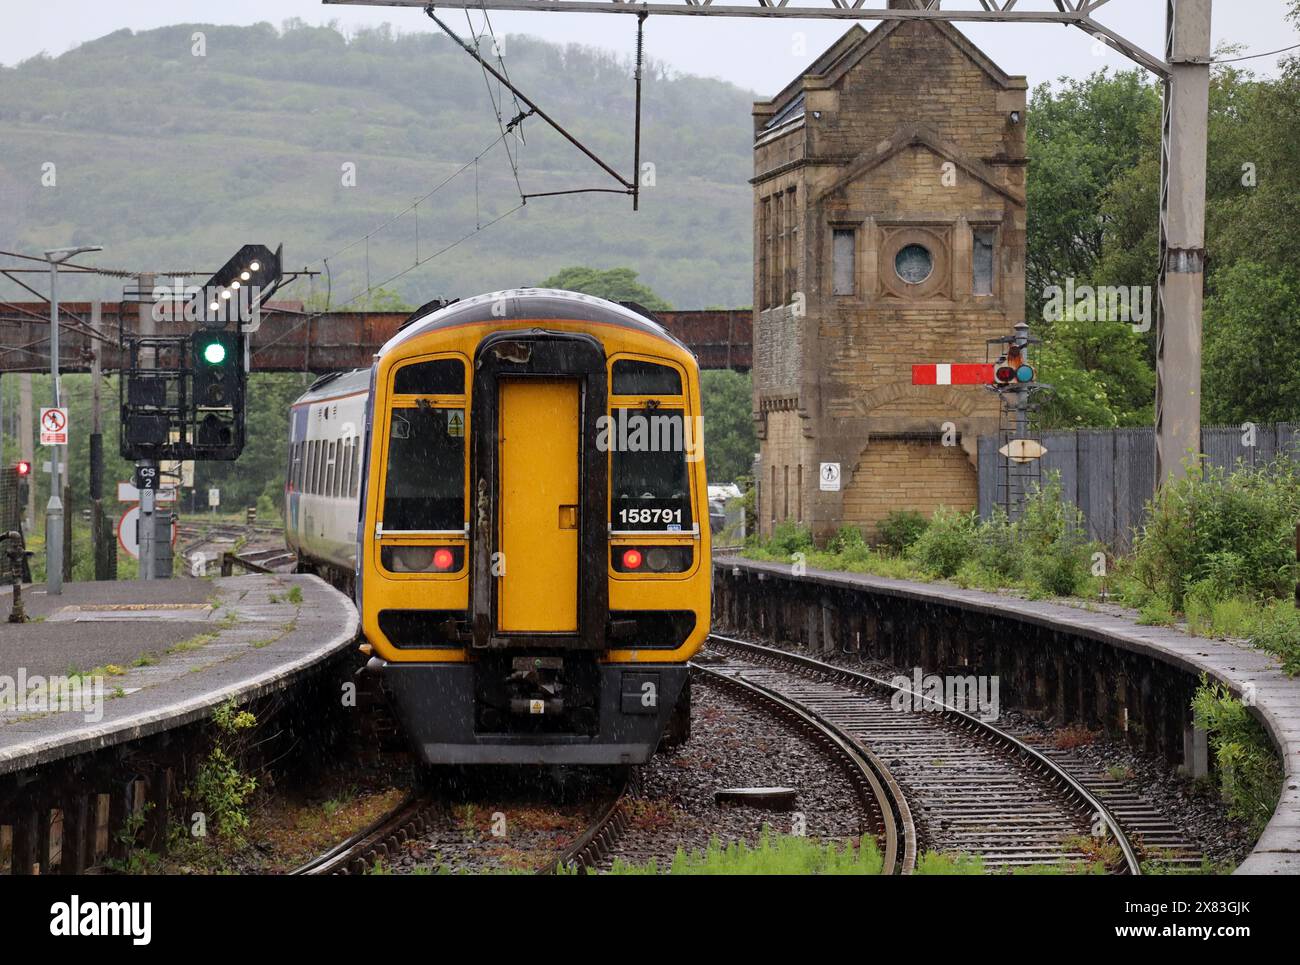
[[98, 531], [54, 508], [147, 496], [1182, 237], [26, 446]]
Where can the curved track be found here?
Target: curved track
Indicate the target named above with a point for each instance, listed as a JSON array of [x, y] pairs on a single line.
[[878, 793], [972, 788], [357, 854]]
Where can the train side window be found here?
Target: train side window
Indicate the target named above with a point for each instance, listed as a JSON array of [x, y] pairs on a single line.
[[424, 480], [649, 480], [318, 463], [434, 377], [331, 467], [635, 377], [356, 469], [345, 480], [309, 468]]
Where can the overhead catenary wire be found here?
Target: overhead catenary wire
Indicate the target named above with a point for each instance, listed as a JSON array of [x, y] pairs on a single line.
[[1270, 53]]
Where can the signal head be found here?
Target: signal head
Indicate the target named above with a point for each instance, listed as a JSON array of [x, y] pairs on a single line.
[[214, 353], [23, 468]]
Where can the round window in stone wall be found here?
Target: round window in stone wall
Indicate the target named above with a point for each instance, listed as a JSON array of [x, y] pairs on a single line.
[[914, 263]]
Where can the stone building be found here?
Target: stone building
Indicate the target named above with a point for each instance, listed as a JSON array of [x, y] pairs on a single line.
[[889, 229]]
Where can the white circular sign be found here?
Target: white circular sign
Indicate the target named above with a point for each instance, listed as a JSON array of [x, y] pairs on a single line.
[[128, 532]]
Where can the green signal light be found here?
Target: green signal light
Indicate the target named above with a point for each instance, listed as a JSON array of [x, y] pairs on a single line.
[[214, 353]]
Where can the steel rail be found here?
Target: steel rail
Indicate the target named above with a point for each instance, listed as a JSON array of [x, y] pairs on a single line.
[[876, 788], [1067, 785]]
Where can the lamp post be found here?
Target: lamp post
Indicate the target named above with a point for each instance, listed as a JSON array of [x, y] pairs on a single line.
[[54, 508]]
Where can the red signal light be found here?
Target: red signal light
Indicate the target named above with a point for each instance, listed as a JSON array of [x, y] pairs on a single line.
[[1004, 375], [23, 468], [443, 559], [632, 560]]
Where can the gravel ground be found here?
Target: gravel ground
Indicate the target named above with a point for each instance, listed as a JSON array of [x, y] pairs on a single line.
[[733, 745], [1192, 807], [497, 822]]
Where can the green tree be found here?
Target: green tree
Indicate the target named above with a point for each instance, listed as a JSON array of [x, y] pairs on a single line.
[[1252, 345], [615, 284], [727, 399], [1099, 374], [1082, 135]]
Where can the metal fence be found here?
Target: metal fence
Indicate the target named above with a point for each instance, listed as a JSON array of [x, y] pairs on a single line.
[[1110, 473]]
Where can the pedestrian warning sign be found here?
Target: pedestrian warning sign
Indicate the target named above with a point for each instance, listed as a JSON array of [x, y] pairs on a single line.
[[830, 477], [54, 427]]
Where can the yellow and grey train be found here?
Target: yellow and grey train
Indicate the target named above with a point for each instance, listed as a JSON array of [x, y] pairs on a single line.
[[515, 492]]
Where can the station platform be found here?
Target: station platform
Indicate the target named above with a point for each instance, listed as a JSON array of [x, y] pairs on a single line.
[[160, 654]]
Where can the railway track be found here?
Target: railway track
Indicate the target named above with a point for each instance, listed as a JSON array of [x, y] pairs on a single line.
[[879, 795], [972, 789], [359, 853], [418, 814], [222, 537]]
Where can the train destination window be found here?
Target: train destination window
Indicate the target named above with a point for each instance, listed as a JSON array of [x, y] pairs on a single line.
[[634, 377], [649, 484], [435, 377], [424, 482]]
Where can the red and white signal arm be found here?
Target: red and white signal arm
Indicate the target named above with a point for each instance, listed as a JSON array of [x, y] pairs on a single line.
[[54, 426], [945, 373]]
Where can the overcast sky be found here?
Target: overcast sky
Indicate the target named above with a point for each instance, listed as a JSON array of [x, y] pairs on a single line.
[[756, 54]]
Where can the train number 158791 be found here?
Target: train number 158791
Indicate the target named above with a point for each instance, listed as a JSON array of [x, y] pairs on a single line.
[[650, 517]]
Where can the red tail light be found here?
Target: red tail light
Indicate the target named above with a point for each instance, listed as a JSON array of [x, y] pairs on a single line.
[[632, 560], [443, 559]]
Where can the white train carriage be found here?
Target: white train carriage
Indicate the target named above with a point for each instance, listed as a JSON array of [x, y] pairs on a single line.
[[327, 456]]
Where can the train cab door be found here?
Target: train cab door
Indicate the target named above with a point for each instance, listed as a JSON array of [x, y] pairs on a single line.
[[538, 441]]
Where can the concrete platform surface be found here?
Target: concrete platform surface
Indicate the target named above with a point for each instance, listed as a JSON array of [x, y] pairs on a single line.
[[70, 633], [106, 663], [1243, 669]]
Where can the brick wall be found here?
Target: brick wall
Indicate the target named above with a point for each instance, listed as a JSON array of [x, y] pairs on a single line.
[[901, 474]]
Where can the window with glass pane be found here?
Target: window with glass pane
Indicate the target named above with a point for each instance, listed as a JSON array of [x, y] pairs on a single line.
[[844, 260], [649, 485], [634, 377], [424, 485], [982, 261], [435, 377]]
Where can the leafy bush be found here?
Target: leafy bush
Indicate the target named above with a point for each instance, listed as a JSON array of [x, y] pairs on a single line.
[[999, 551], [789, 538], [1277, 630], [1235, 530], [1249, 770], [948, 542], [900, 529], [846, 538], [1156, 612], [219, 786], [1053, 536]]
